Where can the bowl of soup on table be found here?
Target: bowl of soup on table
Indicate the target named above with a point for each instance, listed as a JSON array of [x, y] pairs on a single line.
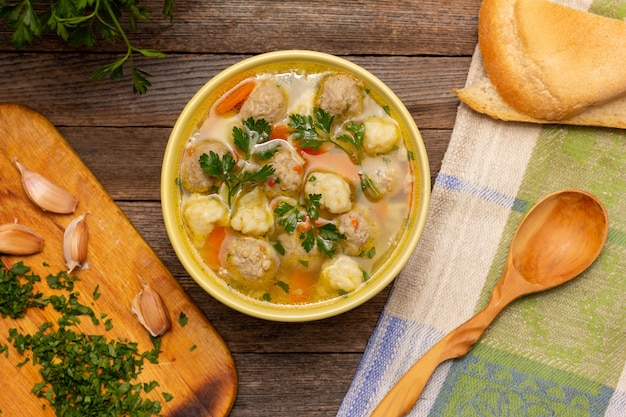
[[295, 186]]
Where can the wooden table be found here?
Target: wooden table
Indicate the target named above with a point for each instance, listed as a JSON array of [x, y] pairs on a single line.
[[421, 49]]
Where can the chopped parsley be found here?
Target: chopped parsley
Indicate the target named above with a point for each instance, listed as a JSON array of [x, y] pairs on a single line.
[[82, 375], [182, 319], [17, 296]]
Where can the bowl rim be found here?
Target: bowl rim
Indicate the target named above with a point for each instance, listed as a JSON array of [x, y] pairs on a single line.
[[307, 312]]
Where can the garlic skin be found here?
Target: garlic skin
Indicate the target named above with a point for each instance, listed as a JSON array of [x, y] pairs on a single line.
[[150, 311], [75, 243], [44, 193], [17, 239]]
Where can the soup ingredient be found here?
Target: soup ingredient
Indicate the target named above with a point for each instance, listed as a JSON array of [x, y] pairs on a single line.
[[45, 193], [359, 231], [384, 173], [233, 176], [194, 178], [288, 172], [341, 275], [381, 135], [201, 213], [78, 22], [235, 98], [341, 95], [267, 101], [252, 214], [151, 312], [75, 243], [305, 218], [334, 191], [249, 260], [17, 239], [313, 131]]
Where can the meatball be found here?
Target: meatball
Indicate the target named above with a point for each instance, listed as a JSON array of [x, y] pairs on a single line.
[[296, 255], [381, 135], [288, 173], [201, 213], [252, 214], [335, 191], [267, 101], [250, 262], [194, 178], [384, 173], [359, 231], [339, 276], [341, 94]]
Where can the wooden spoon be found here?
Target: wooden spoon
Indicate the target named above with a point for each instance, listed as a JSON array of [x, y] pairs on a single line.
[[557, 240]]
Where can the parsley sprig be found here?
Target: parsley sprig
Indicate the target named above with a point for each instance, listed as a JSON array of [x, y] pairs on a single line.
[[226, 169], [234, 176], [253, 134], [78, 22], [313, 131], [324, 235]]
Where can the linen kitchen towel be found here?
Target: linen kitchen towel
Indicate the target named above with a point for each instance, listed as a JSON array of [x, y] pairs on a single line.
[[557, 353]]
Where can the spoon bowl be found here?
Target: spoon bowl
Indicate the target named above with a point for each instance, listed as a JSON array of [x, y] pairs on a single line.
[[560, 237]]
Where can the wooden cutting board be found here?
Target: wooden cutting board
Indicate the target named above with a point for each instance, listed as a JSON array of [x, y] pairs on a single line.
[[195, 366]]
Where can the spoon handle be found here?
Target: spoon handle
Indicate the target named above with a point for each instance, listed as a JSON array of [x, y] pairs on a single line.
[[455, 344]]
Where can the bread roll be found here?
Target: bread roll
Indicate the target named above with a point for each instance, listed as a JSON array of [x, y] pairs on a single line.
[[549, 63]]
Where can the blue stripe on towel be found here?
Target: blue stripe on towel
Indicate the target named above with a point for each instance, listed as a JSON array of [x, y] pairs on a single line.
[[452, 183], [395, 341]]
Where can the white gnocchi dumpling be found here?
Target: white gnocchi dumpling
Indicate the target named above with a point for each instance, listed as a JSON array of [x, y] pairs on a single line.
[[381, 135], [252, 214], [342, 274], [202, 213], [334, 189]]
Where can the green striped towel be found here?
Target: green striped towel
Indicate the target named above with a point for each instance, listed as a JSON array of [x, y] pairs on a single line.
[[557, 353]]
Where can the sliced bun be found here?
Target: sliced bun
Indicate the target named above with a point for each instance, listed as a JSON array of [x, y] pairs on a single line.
[[549, 62], [484, 98]]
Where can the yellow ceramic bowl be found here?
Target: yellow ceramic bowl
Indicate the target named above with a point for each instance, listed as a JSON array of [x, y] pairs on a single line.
[[194, 114]]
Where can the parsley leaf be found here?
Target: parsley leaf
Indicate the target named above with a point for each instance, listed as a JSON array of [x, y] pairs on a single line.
[[232, 175], [253, 133], [313, 231], [313, 131]]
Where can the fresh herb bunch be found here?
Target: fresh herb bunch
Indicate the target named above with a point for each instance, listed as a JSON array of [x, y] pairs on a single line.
[[306, 218], [79, 22], [313, 131]]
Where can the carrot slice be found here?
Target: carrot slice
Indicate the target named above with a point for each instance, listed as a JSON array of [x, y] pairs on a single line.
[[212, 246], [235, 98], [300, 286], [279, 132]]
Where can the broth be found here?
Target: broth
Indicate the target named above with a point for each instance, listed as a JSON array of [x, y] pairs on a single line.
[[296, 186]]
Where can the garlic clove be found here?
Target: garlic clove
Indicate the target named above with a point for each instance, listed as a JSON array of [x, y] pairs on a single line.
[[75, 243], [44, 193], [150, 311], [17, 239]]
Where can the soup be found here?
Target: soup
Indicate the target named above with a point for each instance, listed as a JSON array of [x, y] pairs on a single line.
[[296, 186]]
